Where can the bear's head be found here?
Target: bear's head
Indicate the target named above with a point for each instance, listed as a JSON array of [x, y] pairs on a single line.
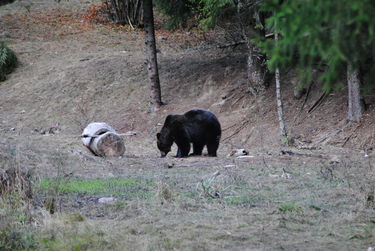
[[164, 138], [164, 143]]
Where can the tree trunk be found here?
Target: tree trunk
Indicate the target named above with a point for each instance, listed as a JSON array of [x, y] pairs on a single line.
[[152, 64], [280, 109], [255, 71], [355, 107]]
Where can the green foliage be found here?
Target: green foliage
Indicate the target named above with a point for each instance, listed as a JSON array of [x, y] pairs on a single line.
[[289, 208], [204, 12], [178, 11], [321, 33], [8, 61], [211, 10]]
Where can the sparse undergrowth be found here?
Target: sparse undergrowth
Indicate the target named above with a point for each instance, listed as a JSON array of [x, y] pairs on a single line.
[[126, 188], [246, 204], [8, 61]]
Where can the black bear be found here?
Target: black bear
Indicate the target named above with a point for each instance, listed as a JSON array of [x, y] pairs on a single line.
[[199, 127]]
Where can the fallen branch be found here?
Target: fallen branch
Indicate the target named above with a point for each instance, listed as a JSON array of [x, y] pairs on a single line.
[[242, 126], [291, 153], [317, 103], [347, 138], [332, 133], [234, 44], [303, 105]]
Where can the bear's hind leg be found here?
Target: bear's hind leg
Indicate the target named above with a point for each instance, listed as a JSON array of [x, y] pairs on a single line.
[[197, 149], [212, 149]]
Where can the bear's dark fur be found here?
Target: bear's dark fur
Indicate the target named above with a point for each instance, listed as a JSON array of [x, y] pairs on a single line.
[[199, 127]]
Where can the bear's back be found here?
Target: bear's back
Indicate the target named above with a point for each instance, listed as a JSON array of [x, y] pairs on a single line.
[[199, 114]]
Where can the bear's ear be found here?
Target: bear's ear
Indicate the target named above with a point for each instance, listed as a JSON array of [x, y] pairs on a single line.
[[158, 135], [169, 119]]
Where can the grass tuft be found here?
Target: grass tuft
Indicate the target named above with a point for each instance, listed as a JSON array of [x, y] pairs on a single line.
[[290, 208]]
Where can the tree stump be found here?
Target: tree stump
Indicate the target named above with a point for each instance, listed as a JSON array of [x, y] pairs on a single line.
[[102, 140]]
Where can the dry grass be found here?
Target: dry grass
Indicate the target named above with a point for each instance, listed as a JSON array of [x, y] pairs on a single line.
[[264, 202]]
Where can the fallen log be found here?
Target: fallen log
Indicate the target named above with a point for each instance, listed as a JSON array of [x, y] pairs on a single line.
[[102, 140]]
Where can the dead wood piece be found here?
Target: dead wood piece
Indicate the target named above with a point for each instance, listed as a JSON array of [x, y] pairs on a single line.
[[108, 144], [291, 153], [347, 138], [327, 136], [102, 140]]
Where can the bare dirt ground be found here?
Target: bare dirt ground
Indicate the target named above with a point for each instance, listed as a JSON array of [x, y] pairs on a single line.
[[317, 196]]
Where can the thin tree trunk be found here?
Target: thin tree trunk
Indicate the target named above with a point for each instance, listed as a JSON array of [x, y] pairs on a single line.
[[280, 109], [355, 107], [152, 64]]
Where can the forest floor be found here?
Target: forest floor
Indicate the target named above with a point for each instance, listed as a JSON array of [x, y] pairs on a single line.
[[316, 195]]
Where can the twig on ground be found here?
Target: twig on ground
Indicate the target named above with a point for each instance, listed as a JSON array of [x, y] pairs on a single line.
[[317, 103], [207, 183], [347, 138], [242, 126]]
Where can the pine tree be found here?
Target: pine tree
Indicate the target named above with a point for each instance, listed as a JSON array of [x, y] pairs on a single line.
[[336, 35]]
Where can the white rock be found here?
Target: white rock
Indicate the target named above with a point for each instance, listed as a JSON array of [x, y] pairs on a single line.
[[105, 200]]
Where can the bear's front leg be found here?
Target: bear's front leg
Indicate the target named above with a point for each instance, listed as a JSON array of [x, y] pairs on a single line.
[[178, 154], [183, 149]]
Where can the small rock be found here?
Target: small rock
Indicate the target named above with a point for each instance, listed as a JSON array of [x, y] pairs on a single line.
[[162, 38], [334, 159], [130, 133], [74, 152], [238, 152], [245, 156], [168, 165], [370, 249], [219, 103], [287, 176], [106, 200]]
